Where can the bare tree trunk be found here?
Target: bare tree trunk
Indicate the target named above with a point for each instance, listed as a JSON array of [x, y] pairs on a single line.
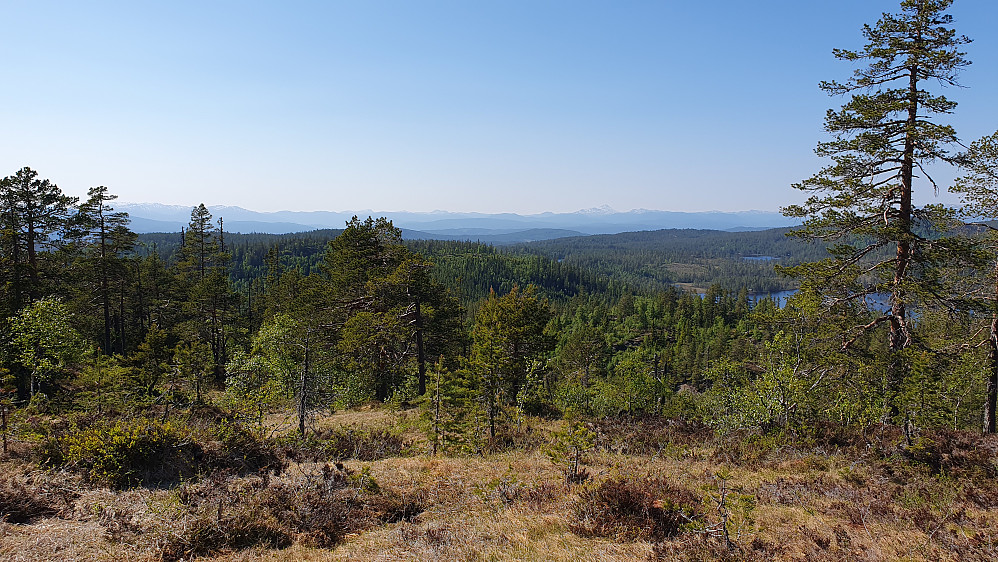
[[436, 416], [991, 400], [303, 395], [420, 352]]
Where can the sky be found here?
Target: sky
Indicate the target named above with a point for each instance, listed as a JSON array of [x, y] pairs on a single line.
[[491, 106]]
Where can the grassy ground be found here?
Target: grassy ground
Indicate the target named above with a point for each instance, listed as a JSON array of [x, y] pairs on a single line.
[[838, 496]]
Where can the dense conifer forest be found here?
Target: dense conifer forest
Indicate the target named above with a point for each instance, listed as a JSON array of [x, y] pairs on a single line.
[[347, 394]]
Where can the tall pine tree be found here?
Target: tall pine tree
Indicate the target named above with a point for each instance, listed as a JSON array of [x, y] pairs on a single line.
[[883, 140]]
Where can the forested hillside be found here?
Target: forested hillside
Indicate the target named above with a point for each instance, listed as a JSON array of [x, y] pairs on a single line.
[[694, 258], [605, 265]]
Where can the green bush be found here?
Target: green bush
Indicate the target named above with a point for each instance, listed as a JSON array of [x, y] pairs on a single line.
[[130, 452]]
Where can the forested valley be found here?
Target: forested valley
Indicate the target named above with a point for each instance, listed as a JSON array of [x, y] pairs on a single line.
[[347, 394]]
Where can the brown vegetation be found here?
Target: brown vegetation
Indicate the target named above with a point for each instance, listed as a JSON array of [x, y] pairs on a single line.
[[658, 491]]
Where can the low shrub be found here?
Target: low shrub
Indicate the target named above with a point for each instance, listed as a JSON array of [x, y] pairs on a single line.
[[229, 445], [649, 435], [206, 533], [955, 453], [130, 452], [143, 451], [646, 509], [313, 509]]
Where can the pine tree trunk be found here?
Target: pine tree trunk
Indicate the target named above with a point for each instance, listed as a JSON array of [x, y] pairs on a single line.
[[303, 395], [991, 401], [420, 352], [104, 290], [899, 337]]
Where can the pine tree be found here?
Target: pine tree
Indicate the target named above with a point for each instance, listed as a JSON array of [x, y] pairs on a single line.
[[106, 240], [203, 276], [883, 140], [508, 338], [390, 312], [34, 216]]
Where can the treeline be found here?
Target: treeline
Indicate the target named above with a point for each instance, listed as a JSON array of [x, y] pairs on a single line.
[[264, 324], [609, 265], [470, 269]]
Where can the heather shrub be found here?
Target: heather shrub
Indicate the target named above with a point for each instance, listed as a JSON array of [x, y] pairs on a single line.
[[646, 509], [224, 514]]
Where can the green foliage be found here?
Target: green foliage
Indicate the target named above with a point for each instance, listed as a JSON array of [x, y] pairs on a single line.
[[201, 272], [653, 261], [634, 387], [341, 318], [451, 413], [508, 338], [250, 389], [129, 452], [45, 342], [194, 365], [290, 354], [863, 205], [569, 448], [151, 361], [102, 382], [978, 187], [374, 350], [34, 214]]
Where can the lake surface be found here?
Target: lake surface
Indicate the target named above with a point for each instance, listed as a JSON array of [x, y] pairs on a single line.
[[881, 302]]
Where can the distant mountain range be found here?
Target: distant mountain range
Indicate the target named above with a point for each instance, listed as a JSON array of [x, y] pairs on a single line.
[[502, 228]]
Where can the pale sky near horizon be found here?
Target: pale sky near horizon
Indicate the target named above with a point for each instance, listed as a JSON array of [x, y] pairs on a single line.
[[491, 106]]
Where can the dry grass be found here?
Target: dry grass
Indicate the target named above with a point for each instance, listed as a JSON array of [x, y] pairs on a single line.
[[839, 497]]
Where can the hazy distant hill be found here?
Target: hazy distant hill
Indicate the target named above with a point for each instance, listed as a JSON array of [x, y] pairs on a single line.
[[495, 228], [488, 236]]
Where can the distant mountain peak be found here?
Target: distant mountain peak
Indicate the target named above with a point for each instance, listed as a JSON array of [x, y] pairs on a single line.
[[601, 210]]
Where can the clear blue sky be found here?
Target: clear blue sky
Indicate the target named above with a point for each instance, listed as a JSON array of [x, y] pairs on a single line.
[[475, 105]]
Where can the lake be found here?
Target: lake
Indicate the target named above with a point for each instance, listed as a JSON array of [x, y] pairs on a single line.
[[880, 302]]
